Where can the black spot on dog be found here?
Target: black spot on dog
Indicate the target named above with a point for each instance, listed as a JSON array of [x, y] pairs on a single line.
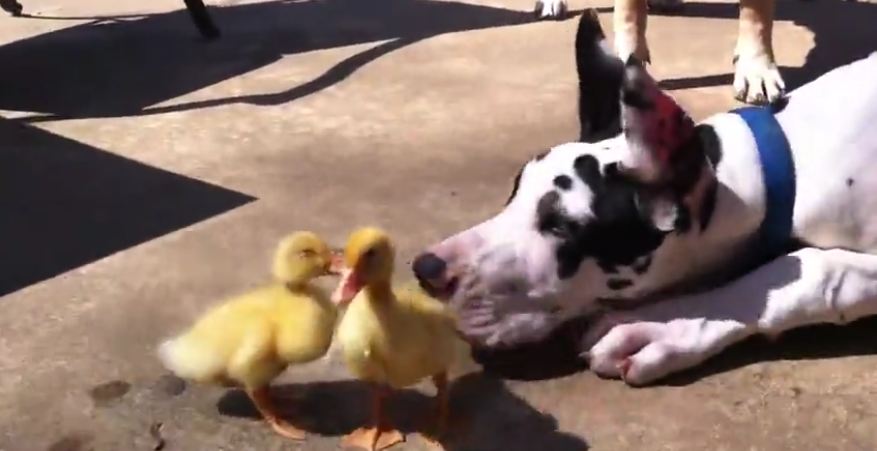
[[618, 284], [616, 235], [563, 182], [515, 185], [850, 182], [607, 267], [588, 169], [549, 214], [640, 266], [709, 143], [635, 98], [682, 223]]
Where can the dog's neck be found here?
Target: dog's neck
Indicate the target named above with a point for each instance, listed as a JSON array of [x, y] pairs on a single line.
[[726, 205]]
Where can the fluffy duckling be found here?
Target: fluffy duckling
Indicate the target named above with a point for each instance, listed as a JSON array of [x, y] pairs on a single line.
[[252, 338], [392, 340]]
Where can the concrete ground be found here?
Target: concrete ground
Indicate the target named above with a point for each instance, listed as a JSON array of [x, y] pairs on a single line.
[[146, 174]]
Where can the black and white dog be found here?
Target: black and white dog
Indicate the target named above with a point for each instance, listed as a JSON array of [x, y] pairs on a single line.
[[684, 238]]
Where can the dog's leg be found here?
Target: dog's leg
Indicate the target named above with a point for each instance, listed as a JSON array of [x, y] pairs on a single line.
[[810, 286], [550, 9], [630, 19], [756, 77]]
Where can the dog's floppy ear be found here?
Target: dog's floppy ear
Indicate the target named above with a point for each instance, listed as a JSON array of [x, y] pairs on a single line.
[[600, 73], [656, 128], [669, 156]]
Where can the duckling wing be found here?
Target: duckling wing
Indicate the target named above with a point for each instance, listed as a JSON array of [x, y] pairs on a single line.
[[423, 338], [254, 362], [203, 352], [360, 335]]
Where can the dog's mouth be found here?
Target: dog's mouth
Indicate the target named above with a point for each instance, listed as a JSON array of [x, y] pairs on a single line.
[[441, 290]]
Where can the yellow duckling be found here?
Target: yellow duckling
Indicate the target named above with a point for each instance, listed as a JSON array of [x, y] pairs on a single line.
[[252, 338], [392, 340]]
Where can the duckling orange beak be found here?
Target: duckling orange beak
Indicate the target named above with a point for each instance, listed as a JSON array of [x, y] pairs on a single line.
[[351, 284]]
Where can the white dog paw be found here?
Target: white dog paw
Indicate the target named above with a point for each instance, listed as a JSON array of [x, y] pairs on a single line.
[[643, 352], [757, 79], [550, 9]]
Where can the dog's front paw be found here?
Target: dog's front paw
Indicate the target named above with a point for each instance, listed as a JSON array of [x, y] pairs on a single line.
[[550, 9], [643, 352], [757, 79]]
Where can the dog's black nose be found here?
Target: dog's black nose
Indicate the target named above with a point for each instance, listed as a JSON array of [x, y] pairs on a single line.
[[429, 268]]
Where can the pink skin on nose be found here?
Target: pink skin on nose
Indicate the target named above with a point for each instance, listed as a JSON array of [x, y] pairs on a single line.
[[456, 251]]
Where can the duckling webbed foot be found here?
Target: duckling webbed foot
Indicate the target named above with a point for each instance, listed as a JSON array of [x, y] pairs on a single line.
[[262, 400], [380, 436]]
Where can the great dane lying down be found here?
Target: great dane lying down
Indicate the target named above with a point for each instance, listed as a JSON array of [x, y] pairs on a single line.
[[756, 77], [678, 239]]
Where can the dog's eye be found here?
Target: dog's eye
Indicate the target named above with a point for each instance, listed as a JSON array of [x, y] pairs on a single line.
[[562, 228]]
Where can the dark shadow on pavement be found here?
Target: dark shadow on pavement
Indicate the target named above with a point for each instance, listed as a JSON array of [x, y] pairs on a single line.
[[122, 67], [844, 32], [64, 204], [556, 356], [485, 414]]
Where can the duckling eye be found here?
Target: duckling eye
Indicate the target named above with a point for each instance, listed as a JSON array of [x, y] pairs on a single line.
[[307, 253], [369, 254]]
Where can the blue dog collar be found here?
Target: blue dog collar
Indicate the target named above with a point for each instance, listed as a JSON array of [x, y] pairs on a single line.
[[778, 172]]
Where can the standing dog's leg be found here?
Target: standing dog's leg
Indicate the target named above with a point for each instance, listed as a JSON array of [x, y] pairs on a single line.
[[756, 78], [550, 9], [810, 286], [630, 19]]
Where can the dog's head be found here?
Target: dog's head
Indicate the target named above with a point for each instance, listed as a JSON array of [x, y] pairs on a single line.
[[584, 220]]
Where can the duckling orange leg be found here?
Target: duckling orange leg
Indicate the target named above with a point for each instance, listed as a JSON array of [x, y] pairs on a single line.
[[262, 400], [380, 436]]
